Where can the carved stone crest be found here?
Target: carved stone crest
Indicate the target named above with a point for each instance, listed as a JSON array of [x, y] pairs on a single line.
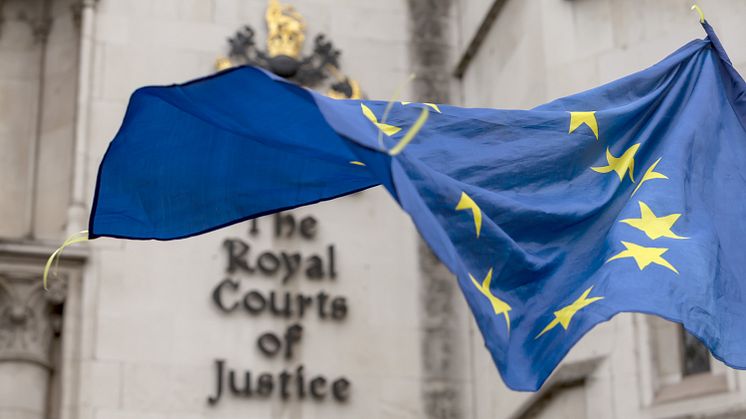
[[30, 318], [286, 34]]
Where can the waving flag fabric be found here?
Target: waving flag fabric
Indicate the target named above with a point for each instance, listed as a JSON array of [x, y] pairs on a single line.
[[630, 197]]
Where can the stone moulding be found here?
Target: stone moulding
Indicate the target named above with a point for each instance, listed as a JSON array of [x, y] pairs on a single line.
[[30, 317]]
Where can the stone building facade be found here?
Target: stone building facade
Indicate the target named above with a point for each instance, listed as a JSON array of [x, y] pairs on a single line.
[[316, 313], [519, 54]]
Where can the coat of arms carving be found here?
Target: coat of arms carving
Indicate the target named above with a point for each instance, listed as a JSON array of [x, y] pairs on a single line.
[[286, 34]]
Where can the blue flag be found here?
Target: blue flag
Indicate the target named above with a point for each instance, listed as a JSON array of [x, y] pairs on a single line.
[[630, 197]]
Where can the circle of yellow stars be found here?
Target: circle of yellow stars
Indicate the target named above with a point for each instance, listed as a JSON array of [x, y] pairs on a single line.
[[652, 225]]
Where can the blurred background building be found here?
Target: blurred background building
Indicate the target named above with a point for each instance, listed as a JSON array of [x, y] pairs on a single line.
[[304, 315]]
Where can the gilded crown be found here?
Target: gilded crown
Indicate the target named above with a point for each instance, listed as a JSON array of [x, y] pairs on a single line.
[[286, 30]]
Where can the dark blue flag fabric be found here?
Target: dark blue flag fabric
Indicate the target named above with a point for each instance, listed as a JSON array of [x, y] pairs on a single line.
[[630, 197]]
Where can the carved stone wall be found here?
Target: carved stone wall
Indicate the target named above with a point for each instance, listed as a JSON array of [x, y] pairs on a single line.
[[30, 318], [30, 325], [31, 329]]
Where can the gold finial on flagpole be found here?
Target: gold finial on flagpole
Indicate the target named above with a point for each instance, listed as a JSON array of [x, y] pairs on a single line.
[[701, 13]]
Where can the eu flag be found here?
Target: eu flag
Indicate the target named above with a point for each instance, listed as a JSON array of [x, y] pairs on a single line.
[[630, 197]]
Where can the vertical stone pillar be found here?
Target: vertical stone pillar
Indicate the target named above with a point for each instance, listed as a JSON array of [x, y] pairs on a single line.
[[443, 349], [430, 49], [30, 322], [2, 16]]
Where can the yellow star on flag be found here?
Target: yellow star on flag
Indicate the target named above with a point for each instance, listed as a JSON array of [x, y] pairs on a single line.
[[386, 128], [644, 256], [621, 164], [498, 305], [431, 105], [565, 314], [467, 203], [577, 119], [650, 174], [653, 226]]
